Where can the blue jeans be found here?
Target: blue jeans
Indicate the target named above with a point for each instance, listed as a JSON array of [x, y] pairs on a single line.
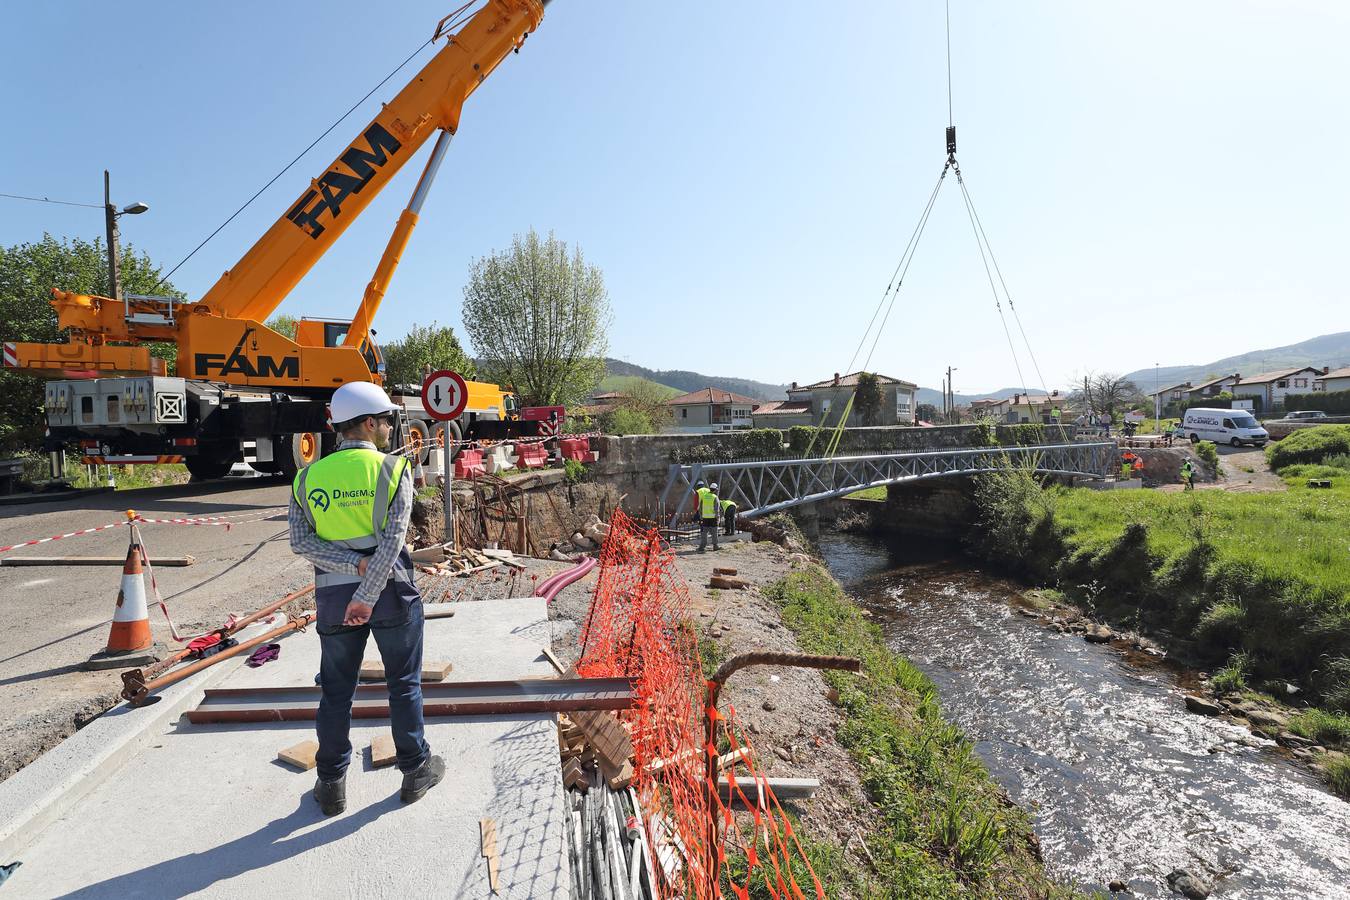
[[342, 648]]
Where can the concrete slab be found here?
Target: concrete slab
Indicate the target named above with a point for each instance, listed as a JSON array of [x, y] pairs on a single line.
[[206, 811]]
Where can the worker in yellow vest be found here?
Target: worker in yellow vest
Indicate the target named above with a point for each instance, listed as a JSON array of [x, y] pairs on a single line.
[[349, 516], [705, 498]]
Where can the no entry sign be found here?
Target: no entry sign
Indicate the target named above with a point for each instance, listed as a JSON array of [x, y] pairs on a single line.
[[444, 394]]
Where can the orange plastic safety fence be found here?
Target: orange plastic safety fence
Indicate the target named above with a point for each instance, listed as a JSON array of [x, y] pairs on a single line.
[[702, 844]]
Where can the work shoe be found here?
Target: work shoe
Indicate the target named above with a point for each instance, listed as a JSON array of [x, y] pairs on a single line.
[[422, 779], [331, 795]]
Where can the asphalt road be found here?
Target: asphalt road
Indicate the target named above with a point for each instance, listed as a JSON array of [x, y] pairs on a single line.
[[56, 617]]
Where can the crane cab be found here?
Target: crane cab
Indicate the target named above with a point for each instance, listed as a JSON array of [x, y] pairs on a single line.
[[318, 332]]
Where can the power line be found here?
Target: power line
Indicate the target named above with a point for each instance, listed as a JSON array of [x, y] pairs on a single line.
[[50, 200], [288, 165]]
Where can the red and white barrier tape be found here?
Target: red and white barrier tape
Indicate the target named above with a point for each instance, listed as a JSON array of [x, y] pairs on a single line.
[[203, 520], [57, 537], [154, 588]]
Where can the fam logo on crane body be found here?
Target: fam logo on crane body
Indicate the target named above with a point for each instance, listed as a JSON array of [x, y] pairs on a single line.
[[334, 186], [236, 363]]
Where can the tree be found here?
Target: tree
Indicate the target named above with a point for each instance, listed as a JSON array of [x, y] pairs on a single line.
[[648, 400], [537, 316], [867, 399], [927, 412], [1105, 394], [28, 272], [432, 345], [625, 420], [283, 325]]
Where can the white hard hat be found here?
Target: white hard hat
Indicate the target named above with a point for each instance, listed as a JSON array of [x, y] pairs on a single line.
[[356, 399], [713, 486]]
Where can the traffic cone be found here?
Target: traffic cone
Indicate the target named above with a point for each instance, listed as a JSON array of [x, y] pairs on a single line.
[[129, 641]]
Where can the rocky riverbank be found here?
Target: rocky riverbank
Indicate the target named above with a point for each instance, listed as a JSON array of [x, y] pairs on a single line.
[[1320, 749]]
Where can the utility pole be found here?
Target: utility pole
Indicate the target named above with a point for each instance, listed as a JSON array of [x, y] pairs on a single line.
[[111, 215], [951, 398], [114, 264]]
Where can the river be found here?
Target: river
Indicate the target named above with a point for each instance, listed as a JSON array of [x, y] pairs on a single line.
[[1122, 782]]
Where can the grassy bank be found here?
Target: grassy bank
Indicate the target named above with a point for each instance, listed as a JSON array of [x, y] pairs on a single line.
[[1256, 581], [945, 829]]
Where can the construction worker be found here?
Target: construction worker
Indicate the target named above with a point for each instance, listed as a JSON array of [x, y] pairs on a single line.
[[729, 517], [1188, 475], [706, 499], [349, 515]]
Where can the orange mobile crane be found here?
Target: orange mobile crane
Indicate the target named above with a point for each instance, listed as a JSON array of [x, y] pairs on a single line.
[[242, 390]]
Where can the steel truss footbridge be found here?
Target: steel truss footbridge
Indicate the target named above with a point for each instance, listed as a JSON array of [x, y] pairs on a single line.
[[761, 487]]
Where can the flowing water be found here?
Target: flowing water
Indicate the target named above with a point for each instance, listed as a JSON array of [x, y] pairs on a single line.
[[1123, 783]]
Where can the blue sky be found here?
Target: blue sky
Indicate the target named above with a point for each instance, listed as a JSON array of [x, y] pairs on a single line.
[[1161, 182]]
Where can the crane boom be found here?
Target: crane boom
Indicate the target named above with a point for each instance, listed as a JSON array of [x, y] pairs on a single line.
[[432, 100], [221, 337]]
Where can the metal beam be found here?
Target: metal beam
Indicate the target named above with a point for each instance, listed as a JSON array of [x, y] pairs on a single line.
[[464, 698]]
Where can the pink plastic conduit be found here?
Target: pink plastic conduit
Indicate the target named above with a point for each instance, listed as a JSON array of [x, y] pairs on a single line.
[[551, 586]]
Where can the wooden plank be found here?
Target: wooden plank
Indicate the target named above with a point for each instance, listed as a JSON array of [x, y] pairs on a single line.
[[723, 570], [438, 610], [301, 755], [727, 583], [553, 660], [435, 670], [605, 735], [372, 669], [488, 831], [163, 561], [621, 779], [382, 751]]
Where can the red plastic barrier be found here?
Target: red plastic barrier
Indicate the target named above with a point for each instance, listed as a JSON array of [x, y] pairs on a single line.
[[577, 448], [469, 464], [531, 456]]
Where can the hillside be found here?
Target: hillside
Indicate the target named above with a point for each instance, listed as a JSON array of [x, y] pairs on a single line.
[[1326, 350], [684, 382], [624, 383]]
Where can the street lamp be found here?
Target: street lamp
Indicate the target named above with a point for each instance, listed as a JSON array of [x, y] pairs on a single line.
[[111, 215]]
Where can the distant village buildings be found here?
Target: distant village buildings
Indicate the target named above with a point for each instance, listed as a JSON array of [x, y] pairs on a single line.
[[823, 402]]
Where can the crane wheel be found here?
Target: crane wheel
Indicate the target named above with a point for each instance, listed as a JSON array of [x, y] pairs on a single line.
[[419, 442]]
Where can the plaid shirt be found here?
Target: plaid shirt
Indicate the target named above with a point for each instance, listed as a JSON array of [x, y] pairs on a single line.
[[341, 561]]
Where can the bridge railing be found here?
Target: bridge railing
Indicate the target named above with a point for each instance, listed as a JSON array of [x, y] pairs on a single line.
[[761, 487]]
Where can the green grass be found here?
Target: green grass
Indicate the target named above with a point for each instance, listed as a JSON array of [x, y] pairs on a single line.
[[1338, 776], [872, 493], [943, 828], [624, 383], [1321, 726], [131, 477], [1302, 534], [1310, 445]]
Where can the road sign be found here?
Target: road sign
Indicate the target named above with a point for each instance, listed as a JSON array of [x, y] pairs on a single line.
[[444, 394]]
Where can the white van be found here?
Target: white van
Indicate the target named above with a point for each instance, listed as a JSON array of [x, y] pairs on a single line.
[[1224, 426]]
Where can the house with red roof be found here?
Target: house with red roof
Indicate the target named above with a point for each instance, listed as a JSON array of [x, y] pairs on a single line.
[[710, 409]]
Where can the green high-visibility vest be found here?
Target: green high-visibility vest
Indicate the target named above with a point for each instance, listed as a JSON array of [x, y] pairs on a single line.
[[728, 504], [346, 496], [707, 504]]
